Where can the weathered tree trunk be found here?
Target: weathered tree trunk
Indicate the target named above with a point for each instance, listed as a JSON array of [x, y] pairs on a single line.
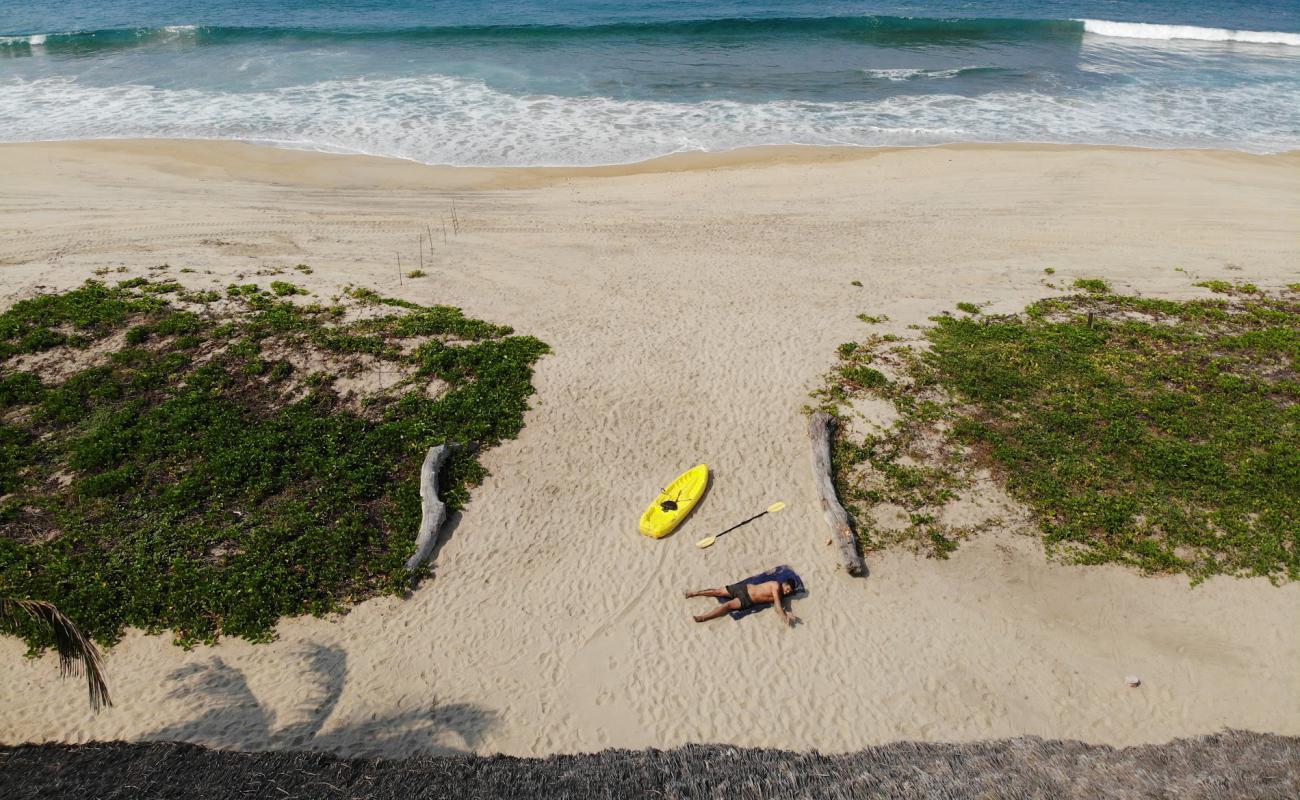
[[819, 430], [435, 512]]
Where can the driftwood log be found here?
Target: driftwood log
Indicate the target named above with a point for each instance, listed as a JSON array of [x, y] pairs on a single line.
[[434, 510], [820, 428]]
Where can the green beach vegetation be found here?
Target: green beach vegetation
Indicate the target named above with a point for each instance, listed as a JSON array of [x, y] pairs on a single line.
[[1158, 434], [1093, 285], [207, 462]]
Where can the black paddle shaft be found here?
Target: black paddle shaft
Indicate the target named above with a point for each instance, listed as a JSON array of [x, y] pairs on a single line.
[[738, 524]]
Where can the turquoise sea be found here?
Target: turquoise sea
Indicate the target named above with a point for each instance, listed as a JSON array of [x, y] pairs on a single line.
[[605, 81]]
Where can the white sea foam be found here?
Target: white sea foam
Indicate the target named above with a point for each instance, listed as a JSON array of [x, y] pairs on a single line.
[[32, 40], [1144, 30], [447, 120], [911, 74]]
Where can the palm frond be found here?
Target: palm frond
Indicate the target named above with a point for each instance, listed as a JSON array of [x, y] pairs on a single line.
[[77, 653]]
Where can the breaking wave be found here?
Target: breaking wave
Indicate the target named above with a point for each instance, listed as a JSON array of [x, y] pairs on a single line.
[[448, 120]]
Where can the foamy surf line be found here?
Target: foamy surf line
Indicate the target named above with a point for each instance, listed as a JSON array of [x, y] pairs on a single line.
[[912, 74], [448, 120], [1147, 30], [31, 40], [105, 37]]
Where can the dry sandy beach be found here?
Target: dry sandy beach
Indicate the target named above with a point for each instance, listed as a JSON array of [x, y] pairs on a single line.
[[692, 303]]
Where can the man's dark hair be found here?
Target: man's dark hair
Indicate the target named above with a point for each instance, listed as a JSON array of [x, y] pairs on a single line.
[[788, 586]]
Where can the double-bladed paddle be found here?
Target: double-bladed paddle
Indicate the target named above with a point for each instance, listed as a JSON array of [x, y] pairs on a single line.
[[708, 541]]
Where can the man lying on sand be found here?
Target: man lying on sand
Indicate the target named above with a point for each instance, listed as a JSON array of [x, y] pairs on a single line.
[[744, 596]]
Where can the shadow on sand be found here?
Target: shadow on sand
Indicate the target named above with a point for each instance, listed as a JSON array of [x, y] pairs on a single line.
[[444, 536], [230, 717]]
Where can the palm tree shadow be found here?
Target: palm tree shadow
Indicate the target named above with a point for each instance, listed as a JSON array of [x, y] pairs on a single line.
[[230, 717]]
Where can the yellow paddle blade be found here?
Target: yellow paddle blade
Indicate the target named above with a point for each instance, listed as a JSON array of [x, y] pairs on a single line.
[[708, 541]]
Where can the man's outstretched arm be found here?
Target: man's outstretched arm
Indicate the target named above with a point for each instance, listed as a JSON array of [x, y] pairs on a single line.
[[779, 602]]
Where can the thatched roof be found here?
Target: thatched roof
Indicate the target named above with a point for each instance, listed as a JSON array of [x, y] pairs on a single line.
[[1229, 765]]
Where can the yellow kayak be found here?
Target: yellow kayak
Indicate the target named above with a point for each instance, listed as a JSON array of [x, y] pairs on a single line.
[[675, 502]]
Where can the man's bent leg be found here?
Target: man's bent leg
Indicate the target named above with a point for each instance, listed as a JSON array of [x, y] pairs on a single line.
[[725, 608]]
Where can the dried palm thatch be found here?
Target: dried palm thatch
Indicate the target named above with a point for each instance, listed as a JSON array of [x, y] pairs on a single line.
[[77, 653], [1234, 764]]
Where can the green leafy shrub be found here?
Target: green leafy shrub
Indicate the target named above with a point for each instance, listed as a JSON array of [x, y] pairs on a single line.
[[210, 488], [1153, 433], [1093, 285], [863, 376], [1226, 287], [285, 289]]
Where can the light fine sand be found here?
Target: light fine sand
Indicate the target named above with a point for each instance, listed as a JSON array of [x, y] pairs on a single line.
[[692, 304]]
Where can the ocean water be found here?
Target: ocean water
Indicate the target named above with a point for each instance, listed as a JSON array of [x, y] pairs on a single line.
[[550, 82]]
